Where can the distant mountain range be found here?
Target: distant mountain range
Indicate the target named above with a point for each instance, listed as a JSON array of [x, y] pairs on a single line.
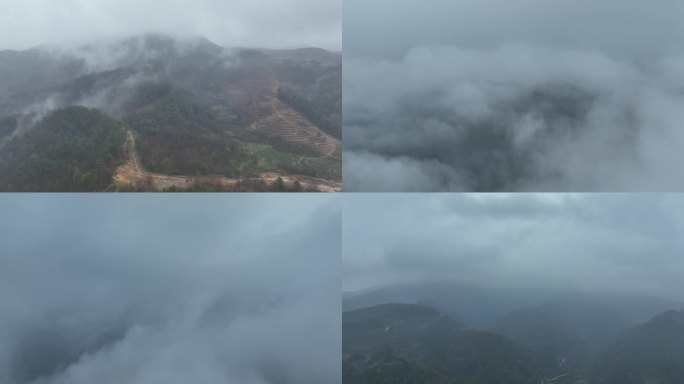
[[652, 352], [569, 337], [474, 305], [199, 116]]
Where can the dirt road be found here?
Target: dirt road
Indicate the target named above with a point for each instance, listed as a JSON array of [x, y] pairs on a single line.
[[132, 174]]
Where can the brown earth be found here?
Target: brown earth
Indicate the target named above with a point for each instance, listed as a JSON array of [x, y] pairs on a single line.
[[285, 123]]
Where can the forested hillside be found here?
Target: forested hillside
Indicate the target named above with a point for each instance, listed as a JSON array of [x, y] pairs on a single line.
[[71, 149], [179, 136], [403, 343]]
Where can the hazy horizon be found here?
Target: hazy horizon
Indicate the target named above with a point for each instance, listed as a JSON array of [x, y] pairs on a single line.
[[270, 24], [69, 48], [556, 242]]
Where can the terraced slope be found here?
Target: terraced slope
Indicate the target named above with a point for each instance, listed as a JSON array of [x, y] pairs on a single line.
[[284, 123]]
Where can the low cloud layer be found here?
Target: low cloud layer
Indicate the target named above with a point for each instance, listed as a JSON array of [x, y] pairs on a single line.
[[516, 118], [104, 75], [264, 24], [611, 243], [178, 289], [518, 111]]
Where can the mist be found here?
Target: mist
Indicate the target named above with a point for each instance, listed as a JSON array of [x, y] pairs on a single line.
[[531, 96], [608, 243], [46, 45], [264, 24], [170, 289]]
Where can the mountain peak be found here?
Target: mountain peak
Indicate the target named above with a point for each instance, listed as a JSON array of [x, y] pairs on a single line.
[[669, 318], [394, 312], [649, 353]]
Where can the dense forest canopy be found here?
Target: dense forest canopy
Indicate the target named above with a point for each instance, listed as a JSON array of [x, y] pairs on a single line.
[[71, 149]]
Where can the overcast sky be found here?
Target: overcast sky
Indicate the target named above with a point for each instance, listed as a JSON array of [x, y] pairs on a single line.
[[231, 23], [389, 28], [525, 95], [240, 289], [611, 242]]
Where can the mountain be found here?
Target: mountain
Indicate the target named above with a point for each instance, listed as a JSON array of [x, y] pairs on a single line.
[[198, 115], [569, 327], [407, 333], [475, 306], [652, 352], [574, 327], [305, 54], [407, 343]]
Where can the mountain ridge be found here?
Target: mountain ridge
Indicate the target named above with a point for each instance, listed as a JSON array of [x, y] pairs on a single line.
[[570, 338]]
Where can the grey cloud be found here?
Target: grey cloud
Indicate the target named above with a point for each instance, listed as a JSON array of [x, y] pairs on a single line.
[[530, 95], [152, 289], [607, 242], [396, 174], [515, 118], [264, 24]]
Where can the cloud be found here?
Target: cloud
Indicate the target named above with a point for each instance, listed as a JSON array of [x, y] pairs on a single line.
[[396, 174], [156, 289], [600, 242], [528, 95], [263, 24], [516, 118]]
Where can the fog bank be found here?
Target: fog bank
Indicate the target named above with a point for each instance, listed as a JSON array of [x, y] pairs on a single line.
[[169, 289]]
